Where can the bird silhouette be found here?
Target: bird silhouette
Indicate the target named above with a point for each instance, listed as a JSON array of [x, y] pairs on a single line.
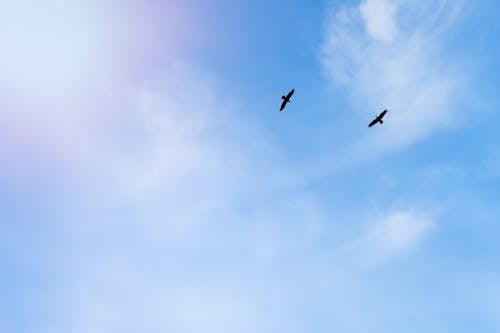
[[286, 99], [378, 119]]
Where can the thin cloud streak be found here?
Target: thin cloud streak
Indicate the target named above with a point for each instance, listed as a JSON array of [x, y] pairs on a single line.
[[398, 65]]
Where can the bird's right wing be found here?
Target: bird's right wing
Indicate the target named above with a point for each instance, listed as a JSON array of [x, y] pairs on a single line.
[[373, 122], [283, 105]]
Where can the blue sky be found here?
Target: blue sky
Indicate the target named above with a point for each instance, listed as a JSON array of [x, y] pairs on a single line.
[[149, 182]]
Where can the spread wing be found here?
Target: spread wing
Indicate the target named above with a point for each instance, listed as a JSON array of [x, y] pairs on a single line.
[[286, 99], [374, 121], [382, 114], [283, 105]]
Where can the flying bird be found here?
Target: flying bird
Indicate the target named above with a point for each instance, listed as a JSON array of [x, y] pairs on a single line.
[[286, 99], [378, 119]]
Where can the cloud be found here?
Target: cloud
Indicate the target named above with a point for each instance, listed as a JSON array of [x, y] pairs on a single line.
[[394, 234], [189, 222], [380, 20], [184, 207], [126, 297], [215, 309], [185, 218], [400, 231], [389, 54]]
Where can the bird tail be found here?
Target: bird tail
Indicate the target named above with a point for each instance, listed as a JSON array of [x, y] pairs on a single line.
[[283, 97], [381, 121]]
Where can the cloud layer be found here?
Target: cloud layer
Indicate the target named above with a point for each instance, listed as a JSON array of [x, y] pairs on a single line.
[[179, 214], [389, 54]]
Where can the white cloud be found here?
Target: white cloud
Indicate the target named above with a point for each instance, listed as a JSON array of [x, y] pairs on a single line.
[[379, 18], [190, 228], [398, 63], [217, 309], [396, 233], [193, 225], [400, 231], [120, 295], [187, 205]]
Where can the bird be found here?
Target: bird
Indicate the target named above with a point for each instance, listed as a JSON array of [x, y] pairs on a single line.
[[286, 99], [378, 119]]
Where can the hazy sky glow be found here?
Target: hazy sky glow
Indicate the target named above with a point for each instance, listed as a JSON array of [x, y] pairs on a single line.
[[150, 184]]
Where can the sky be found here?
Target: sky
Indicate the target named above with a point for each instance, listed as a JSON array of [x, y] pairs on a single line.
[[149, 182]]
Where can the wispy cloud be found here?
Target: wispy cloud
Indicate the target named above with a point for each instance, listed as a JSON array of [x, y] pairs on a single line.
[[389, 54], [187, 205], [391, 235], [190, 228], [206, 206], [380, 19], [183, 216]]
